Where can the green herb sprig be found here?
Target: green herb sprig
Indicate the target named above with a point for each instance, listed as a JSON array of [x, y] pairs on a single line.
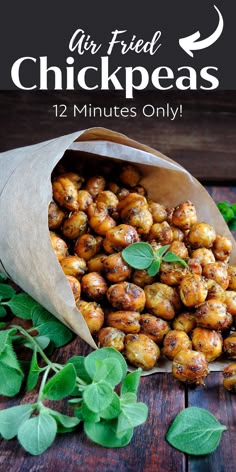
[[229, 213], [109, 419], [142, 256], [195, 431]]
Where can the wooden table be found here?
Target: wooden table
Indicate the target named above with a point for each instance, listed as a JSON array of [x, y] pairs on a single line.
[[28, 118]]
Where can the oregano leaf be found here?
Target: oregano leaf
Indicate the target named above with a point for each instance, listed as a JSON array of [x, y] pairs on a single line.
[[104, 434], [22, 305], [172, 257], [61, 384], [12, 418], [138, 255], [195, 431], [38, 433], [131, 382], [98, 396], [153, 269], [6, 292]]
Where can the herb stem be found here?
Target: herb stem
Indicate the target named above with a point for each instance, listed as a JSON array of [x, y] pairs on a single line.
[[34, 343], [44, 379]]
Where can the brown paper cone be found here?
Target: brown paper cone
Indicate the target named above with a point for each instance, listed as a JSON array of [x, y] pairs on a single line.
[[26, 255]]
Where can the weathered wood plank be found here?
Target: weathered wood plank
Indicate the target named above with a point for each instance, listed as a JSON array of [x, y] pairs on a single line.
[[203, 139]]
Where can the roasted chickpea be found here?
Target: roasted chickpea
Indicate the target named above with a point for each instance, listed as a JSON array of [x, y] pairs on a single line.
[[99, 219], [174, 342], [111, 337], [75, 286], [184, 215], [95, 264], [134, 211], [126, 321], [116, 239], [192, 290], [232, 277], [161, 232], [93, 315], [215, 291], [162, 300], [194, 266], [184, 322], [130, 175], [55, 216], [202, 235], [95, 185], [116, 269], [230, 346], [140, 190], [217, 271], [126, 296], [65, 190], [109, 199], [179, 248], [141, 277], [122, 193], [178, 234], [113, 187], [207, 341], [203, 256], [154, 327], [158, 212], [73, 265], [230, 301], [213, 315], [229, 374], [190, 367], [172, 273], [169, 212], [84, 199], [88, 246], [141, 351], [75, 225], [222, 248], [59, 246], [93, 285]]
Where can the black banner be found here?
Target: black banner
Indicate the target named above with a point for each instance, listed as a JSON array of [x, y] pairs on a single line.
[[126, 45]]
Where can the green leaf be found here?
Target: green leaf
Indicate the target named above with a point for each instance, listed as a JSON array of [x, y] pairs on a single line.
[[11, 374], [195, 431], [226, 210], [78, 363], [22, 305], [233, 206], [109, 370], [113, 410], [3, 311], [172, 257], [89, 415], [131, 382], [2, 325], [103, 354], [43, 342], [132, 415], [6, 292], [38, 433], [232, 224], [3, 277], [34, 372], [138, 255], [47, 325], [65, 423], [61, 384], [154, 267], [104, 434], [98, 396], [12, 418], [161, 251]]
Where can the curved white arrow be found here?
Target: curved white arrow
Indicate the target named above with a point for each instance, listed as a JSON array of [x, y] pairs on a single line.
[[190, 43]]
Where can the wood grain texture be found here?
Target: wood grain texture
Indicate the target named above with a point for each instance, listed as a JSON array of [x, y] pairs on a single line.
[[203, 139]]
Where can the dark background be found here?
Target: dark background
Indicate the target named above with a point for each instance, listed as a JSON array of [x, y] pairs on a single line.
[[203, 140], [44, 29]]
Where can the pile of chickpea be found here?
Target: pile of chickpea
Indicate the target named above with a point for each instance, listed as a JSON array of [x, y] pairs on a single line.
[[183, 313]]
